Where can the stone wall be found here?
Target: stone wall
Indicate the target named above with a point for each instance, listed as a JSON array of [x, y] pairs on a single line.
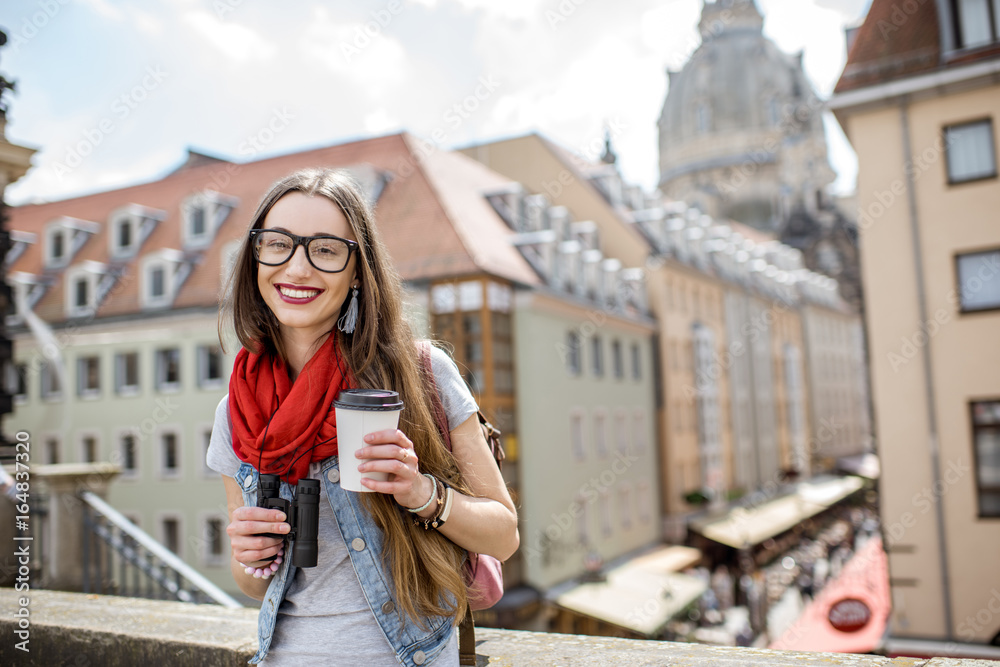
[[80, 630]]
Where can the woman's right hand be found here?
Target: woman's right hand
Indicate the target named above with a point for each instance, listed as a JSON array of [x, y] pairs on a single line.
[[248, 546]]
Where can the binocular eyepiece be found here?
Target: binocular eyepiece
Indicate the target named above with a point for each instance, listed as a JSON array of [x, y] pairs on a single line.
[[302, 514]]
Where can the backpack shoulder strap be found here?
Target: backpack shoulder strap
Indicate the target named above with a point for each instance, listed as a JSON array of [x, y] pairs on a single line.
[[437, 409]]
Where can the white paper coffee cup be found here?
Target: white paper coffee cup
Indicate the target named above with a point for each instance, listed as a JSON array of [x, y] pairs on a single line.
[[360, 412]]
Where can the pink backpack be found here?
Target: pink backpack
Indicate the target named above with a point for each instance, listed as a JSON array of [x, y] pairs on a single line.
[[483, 574]]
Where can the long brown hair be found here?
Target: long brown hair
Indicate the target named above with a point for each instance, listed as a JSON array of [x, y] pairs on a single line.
[[381, 353]]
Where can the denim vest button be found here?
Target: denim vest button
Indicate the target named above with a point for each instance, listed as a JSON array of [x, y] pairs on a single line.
[[358, 544], [333, 475], [388, 607], [247, 481], [419, 657]]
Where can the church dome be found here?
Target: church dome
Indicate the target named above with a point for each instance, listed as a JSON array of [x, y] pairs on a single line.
[[738, 99]]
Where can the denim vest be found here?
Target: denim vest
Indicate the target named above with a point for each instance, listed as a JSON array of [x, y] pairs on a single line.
[[413, 646]]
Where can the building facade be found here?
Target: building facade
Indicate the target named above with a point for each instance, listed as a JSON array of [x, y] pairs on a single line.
[[735, 408], [919, 100], [119, 356]]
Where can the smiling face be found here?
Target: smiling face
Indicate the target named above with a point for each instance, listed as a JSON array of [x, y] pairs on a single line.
[[305, 300]]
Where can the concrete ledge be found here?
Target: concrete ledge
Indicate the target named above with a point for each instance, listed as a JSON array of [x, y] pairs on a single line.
[[107, 631]]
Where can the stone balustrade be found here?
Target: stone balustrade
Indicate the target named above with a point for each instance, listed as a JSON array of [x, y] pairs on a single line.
[[81, 630]]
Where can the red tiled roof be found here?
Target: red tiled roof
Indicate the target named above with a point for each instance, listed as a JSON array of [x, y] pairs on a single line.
[[429, 216], [892, 44]]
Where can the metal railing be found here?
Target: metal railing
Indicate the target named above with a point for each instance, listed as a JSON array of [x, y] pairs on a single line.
[[154, 570]]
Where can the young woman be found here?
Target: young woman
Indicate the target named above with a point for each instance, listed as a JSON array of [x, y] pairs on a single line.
[[317, 308]]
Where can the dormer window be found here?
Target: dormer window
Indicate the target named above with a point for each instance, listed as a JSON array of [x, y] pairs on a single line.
[[19, 242], [64, 237], [203, 214], [27, 290], [162, 274], [86, 285], [130, 226]]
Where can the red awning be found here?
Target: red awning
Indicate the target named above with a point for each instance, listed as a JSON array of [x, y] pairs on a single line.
[[858, 602]]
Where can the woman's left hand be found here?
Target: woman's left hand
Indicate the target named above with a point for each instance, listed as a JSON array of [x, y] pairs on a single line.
[[392, 452]]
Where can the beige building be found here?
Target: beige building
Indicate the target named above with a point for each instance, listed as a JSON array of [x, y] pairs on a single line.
[[733, 397], [919, 99]]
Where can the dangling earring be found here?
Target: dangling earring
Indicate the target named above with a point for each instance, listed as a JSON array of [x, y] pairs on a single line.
[[350, 318]]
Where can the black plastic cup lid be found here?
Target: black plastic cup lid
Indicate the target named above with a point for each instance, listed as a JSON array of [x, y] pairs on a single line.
[[369, 399]]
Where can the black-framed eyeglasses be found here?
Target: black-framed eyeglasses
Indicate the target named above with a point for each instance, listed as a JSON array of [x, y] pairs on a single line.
[[274, 247]]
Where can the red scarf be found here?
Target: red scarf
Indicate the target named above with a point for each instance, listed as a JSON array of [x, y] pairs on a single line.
[[263, 402]]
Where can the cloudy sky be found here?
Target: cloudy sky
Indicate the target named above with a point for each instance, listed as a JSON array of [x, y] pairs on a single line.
[[114, 92]]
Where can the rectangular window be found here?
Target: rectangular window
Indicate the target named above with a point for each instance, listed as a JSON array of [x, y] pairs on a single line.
[[81, 296], [206, 440], [573, 364], [978, 280], [197, 221], [51, 385], [89, 376], [576, 435], [58, 245], [986, 450], [639, 430], [209, 366], [52, 450], [129, 455], [157, 282], [971, 151], [616, 359], [977, 22], [605, 513], [170, 454], [597, 356], [214, 530], [17, 381], [172, 534], [621, 432], [127, 373], [636, 362], [601, 433], [625, 502], [88, 449], [168, 369], [124, 239]]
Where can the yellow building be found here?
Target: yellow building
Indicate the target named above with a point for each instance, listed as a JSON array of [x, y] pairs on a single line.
[[920, 99]]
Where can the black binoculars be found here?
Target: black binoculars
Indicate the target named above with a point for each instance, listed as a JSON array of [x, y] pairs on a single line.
[[302, 514]]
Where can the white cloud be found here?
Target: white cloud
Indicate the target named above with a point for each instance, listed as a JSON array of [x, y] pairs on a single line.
[[105, 9], [235, 41], [380, 122]]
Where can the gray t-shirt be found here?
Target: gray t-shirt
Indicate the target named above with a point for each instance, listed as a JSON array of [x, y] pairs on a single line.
[[324, 618]]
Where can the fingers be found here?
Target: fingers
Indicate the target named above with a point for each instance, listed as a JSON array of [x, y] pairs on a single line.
[[245, 533], [389, 436]]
